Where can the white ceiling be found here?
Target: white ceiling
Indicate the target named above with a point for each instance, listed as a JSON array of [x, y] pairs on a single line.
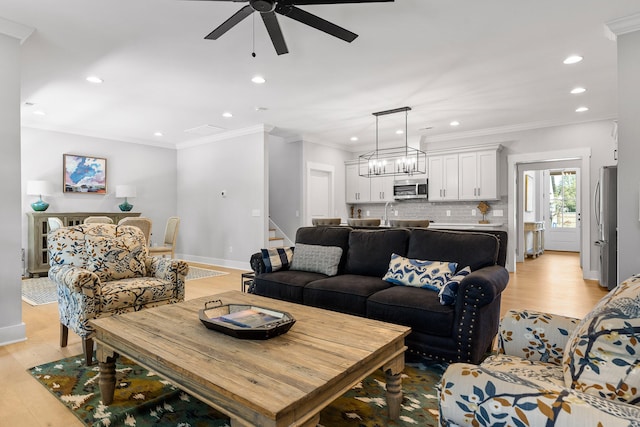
[[490, 64]]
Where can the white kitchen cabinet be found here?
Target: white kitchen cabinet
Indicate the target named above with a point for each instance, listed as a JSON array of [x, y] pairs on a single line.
[[478, 175], [382, 188], [443, 177], [358, 188]]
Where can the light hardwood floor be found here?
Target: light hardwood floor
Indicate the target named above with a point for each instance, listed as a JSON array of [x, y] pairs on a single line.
[[550, 283]]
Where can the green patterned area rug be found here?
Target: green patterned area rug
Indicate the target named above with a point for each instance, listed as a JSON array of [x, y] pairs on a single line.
[[144, 399]]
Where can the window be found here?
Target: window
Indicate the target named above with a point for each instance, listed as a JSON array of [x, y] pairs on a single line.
[[562, 199]]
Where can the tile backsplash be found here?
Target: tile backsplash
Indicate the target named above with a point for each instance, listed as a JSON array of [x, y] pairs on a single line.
[[458, 212]]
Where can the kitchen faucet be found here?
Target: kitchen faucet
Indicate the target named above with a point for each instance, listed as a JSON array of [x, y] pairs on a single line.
[[386, 217]]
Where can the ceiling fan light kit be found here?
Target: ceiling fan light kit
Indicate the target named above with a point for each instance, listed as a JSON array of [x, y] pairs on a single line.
[[268, 10]]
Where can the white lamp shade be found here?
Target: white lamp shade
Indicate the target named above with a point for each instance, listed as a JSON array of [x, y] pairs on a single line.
[[38, 188], [125, 191]]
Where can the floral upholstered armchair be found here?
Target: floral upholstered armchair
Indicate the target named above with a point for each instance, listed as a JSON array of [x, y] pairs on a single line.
[[104, 269], [555, 371]]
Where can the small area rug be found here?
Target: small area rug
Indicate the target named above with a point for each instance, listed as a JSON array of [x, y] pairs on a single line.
[[144, 399], [41, 290]]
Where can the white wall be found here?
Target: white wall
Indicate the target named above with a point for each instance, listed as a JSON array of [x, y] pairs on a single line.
[[153, 171], [219, 229], [596, 136], [629, 149], [316, 153], [285, 185], [11, 327]]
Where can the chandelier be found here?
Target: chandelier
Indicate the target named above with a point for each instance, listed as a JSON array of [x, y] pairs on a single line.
[[401, 161]]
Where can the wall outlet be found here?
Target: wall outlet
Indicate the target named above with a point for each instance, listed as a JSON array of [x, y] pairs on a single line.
[[395, 213], [297, 214], [367, 213], [498, 212], [230, 249], [473, 212], [448, 213], [255, 212]]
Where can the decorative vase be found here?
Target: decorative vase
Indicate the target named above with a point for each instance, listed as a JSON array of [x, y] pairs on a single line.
[[125, 206], [40, 205]]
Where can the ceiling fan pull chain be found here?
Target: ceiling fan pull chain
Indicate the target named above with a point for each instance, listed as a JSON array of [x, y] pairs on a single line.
[[253, 37]]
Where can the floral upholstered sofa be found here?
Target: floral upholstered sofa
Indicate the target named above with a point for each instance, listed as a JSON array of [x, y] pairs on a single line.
[[104, 269], [555, 371]]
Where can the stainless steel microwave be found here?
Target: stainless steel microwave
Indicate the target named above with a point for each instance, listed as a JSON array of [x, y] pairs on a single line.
[[410, 189]]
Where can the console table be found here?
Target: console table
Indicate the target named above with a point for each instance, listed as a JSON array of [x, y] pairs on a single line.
[[38, 257], [534, 238]]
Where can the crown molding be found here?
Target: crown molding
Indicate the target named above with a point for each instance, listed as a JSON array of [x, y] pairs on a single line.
[[261, 128], [15, 30], [624, 25], [505, 129]]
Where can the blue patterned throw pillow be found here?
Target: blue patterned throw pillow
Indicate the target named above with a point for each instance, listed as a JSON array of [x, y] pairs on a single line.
[[448, 292], [418, 273], [276, 258]]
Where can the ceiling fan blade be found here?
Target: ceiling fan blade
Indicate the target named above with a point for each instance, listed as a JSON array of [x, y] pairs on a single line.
[[307, 2], [316, 22], [230, 23], [273, 28]]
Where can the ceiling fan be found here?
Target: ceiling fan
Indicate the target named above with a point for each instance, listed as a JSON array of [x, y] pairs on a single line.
[[268, 10]]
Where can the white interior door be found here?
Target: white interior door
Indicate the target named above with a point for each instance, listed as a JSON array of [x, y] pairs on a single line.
[[319, 192], [562, 210]]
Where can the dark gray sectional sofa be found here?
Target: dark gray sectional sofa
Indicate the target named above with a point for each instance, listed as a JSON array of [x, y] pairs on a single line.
[[462, 332]]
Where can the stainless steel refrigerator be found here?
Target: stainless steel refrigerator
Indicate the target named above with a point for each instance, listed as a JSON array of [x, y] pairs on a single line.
[[606, 211]]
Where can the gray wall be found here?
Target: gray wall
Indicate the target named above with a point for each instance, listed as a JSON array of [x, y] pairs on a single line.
[[216, 229], [285, 185], [11, 327], [629, 148], [152, 170]]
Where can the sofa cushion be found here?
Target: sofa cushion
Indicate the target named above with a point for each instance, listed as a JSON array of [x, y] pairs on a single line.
[[370, 250], [115, 258], [447, 294], [134, 292], [418, 308], [317, 259], [276, 258], [345, 293], [419, 273], [602, 354], [285, 285], [326, 236], [476, 250]]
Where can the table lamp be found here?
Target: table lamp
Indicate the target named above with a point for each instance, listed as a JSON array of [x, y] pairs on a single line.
[[125, 191], [38, 188]]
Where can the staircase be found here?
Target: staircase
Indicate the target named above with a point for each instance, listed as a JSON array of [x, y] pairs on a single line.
[[275, 241]]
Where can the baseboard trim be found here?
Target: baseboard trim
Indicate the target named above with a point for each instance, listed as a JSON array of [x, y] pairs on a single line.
[[13, 334], [239, 265]]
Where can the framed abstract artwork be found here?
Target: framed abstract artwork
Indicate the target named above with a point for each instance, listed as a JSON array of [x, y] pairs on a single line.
[[84, 174]]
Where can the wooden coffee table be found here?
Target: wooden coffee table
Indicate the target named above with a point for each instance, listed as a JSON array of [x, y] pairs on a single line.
[[284, 381]]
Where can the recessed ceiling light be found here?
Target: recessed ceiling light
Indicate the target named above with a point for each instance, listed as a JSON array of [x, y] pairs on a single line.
[[581, 109], [577, 90], [573, 59], [399, 132], [39, 113], [94, 79], [227, 114], [157, 134], [258, 79], [454, 123], [354, 138]]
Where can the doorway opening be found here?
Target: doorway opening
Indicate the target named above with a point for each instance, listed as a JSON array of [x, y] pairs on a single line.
[[576, 163]]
